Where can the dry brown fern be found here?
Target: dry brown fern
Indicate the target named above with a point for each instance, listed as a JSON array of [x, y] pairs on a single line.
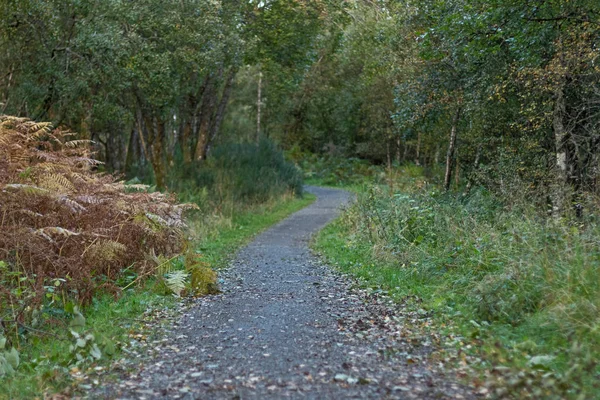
[[59, 219]]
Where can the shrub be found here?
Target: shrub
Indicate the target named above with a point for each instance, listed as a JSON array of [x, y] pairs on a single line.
[[332, 170], [67, 231], [241, 173]]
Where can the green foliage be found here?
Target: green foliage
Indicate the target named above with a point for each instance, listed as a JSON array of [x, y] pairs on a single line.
[[485, 252], [358, 174], [339, 171], [84, 349], [238, 173], [176, 281], [254, 173], [9, 359], [525, 279], [50, 355], [47, 353]]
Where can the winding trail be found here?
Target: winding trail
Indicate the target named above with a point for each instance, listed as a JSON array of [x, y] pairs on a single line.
[[287, 326]]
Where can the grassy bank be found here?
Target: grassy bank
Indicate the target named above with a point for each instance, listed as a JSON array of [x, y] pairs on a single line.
[[47, 363], [521, 293]]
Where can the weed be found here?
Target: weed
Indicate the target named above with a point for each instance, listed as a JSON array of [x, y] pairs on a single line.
[[529, 280]]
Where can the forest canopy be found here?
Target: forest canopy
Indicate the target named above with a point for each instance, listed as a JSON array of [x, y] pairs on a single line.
[[505, 94]]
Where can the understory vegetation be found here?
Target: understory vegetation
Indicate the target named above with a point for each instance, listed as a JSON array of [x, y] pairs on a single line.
[[471, 128], [522, 289], [79, 248]]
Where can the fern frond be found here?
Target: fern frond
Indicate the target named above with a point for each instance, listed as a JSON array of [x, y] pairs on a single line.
[[57, 183], [176, 281], [37, 130], [88, 161], [29, 213], [5, 138], [18, 156], [10, 121], [158, 220], [89, 199], [57, 230], [72, 144], [138, 186], [46, 157], [82, 178], [106, 250], [27, 189], [74, 206], [44, 235]]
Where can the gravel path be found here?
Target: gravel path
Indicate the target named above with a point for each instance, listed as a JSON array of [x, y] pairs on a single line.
[[287, 326]]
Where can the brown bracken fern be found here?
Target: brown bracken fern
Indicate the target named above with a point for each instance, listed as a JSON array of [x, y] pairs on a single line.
[[61, 220]]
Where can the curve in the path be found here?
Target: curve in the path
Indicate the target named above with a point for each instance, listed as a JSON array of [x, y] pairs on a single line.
[[286, 326]]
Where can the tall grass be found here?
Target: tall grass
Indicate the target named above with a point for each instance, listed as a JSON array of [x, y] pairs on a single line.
[[507, 265], [530, 285]]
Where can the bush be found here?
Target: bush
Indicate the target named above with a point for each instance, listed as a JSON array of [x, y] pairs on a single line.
[[238, 173], [337, 171], [66, 231], [506, 265]]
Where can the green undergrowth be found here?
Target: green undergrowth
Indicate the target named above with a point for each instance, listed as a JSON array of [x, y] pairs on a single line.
[[51, 358], [358, 175], [522, 293], [49, 364], [236, 174]]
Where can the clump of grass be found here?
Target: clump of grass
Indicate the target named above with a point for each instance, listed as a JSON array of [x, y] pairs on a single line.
[[527, 279], [506, 264], [357, 174]]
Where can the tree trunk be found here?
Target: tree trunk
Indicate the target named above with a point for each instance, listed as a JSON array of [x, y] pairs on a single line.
[[206, 115], [132, 153], [142, 128], [218, 119], [388, 153], [456, 169], [158, 154], [451, 149], [258, 106], [172, 133], [418, 156], [186, 136], [560, 138], [190, 115]]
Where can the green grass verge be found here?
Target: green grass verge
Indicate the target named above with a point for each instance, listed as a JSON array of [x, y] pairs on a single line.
[[46, 360], [525, 357]]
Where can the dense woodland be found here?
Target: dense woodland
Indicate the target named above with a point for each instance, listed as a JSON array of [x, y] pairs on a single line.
[[504, 94], [474, 125]]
